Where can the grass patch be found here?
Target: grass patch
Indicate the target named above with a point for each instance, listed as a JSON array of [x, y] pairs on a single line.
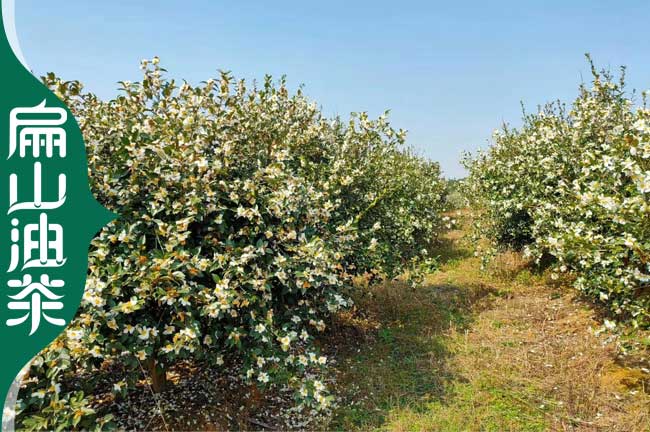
[[485, 351], [472, 406]]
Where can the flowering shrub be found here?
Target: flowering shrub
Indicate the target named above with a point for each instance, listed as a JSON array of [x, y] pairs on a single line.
[[243, 215], [574, 185]]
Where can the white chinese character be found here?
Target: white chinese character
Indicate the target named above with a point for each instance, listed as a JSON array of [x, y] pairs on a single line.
[[30, 299], [37, 203], [38, 130], [43, 245]]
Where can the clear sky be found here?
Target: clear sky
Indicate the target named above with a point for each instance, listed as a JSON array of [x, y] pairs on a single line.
[[450, 72]]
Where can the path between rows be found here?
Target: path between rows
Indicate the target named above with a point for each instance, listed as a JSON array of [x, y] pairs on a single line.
[[470, 350]]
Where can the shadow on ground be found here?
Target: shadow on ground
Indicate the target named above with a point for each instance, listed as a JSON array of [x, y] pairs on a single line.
[[402, 362], [451, 249], [403, 373]]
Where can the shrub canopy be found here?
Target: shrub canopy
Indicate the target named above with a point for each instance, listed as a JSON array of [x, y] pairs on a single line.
[[243, 215], [575, 185]]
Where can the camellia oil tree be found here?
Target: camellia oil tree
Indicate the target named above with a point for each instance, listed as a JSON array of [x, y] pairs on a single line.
[[574, 185], [243, 215]]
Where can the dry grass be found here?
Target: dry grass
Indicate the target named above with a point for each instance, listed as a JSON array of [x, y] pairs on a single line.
[[503, 350], [543, 340]]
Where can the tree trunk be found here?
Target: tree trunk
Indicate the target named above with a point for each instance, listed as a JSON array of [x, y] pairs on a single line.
[[158, 375], [254, 398]]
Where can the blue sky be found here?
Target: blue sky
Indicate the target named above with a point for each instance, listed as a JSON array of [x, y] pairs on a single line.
[[450, 72]]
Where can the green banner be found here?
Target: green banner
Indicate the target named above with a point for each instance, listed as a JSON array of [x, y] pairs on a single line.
[[47, 216]]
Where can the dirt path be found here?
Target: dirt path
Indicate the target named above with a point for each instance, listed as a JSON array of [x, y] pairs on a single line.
[[475, 351]]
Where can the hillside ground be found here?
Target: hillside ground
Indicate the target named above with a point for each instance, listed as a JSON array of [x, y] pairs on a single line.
[[503, 350]]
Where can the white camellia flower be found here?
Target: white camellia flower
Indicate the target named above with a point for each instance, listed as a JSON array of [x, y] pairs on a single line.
[[285, 342], [263, 377]]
